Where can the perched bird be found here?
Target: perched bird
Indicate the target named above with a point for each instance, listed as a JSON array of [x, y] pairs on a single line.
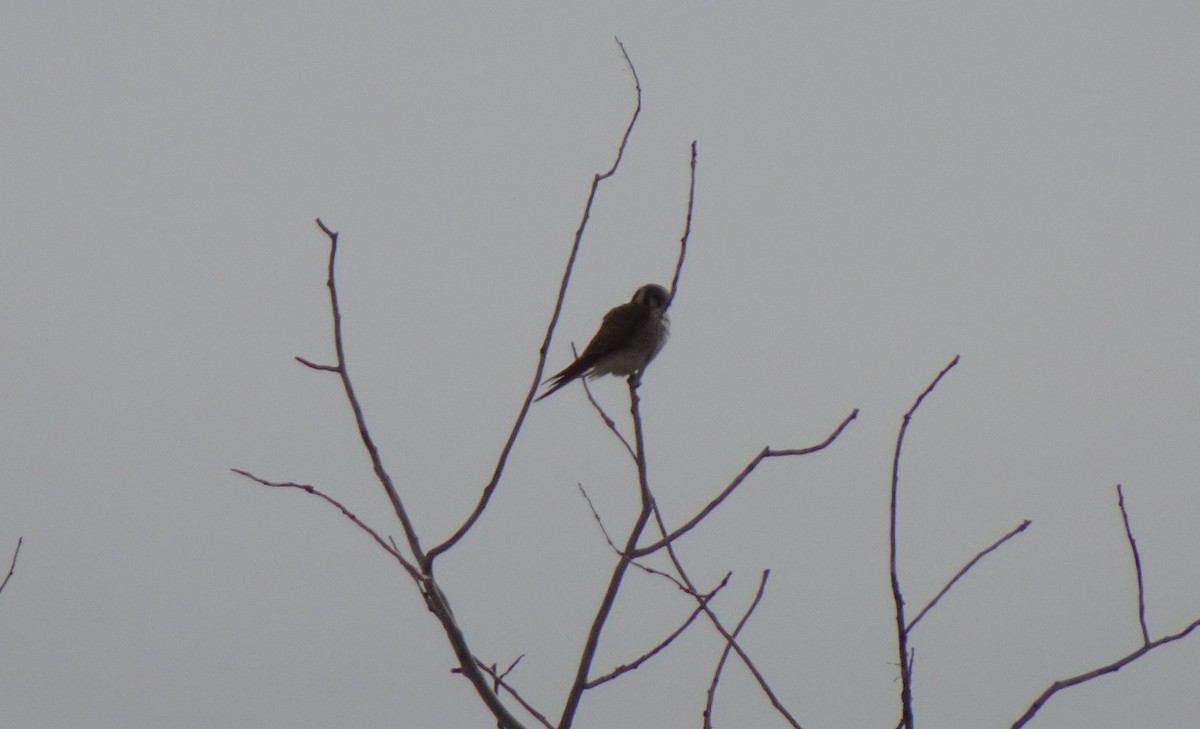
[[629, 337]]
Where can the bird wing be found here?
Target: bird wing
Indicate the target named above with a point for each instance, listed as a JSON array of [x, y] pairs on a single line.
[[619, 325]]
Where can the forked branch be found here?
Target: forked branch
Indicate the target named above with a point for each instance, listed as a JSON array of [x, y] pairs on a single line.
[[418, 567], [764, 454], [313, 490], [1147, 644], [906, 710], [385, 480]]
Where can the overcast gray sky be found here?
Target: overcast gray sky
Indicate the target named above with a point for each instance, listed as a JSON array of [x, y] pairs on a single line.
[[881, 186]]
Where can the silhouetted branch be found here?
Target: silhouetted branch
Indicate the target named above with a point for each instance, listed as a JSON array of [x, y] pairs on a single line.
[[499, 683], [490, 488], [315, 366], [360, 420], [389, 548], [12, 566], [1110, 668], [614, 583], [608, 422], [1020, 528], [712, 687], [420, 568], [764, 454], [730, 640], [632, 665], [1137, 565], [687, 229], [1147, 644], [897, 595]]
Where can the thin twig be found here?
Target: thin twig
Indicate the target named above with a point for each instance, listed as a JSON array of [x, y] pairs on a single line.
[[1137, 565], [498, 680], [308, 488], [725, 634], [360, 420], [617, 550], [12, 566], [1109, 668], [633, 665], [687, 229], [966, 568], [511, 666], [712, 687], [315, 366], [906, 710], [646, 568], [490, 488], [608, 422], [764, 454], [596, 516]]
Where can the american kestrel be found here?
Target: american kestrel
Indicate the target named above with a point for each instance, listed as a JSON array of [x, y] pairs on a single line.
[[629, 337]]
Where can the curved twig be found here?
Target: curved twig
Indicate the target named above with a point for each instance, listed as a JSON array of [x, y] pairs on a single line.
[[634, 664], [491, 485], [1137, 565], [12, 566], [687, 229], [608, 422], [764, 454], [906, 711], [712, 687], [728, 637], [389, 548]]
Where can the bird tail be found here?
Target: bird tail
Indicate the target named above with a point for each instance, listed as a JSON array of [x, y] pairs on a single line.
[[556, 383], [562, 379]]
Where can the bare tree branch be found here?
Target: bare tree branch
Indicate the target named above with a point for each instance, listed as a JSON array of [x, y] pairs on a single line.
[[420, 568], [686, 585], [12, 566], [1116, 665], [764, 454], [712, 687], [906, 709], [315, 366], [730, 640], [614, 583], [608, 422], [1147, 644], [646, 568], [490, 488], [499, 682], [966, 568], [389, 548], [360, 420], [1137, 565], [633, 665], [687, 229]]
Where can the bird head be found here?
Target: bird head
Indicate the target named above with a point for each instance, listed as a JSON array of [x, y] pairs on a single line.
[[651, 295]]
